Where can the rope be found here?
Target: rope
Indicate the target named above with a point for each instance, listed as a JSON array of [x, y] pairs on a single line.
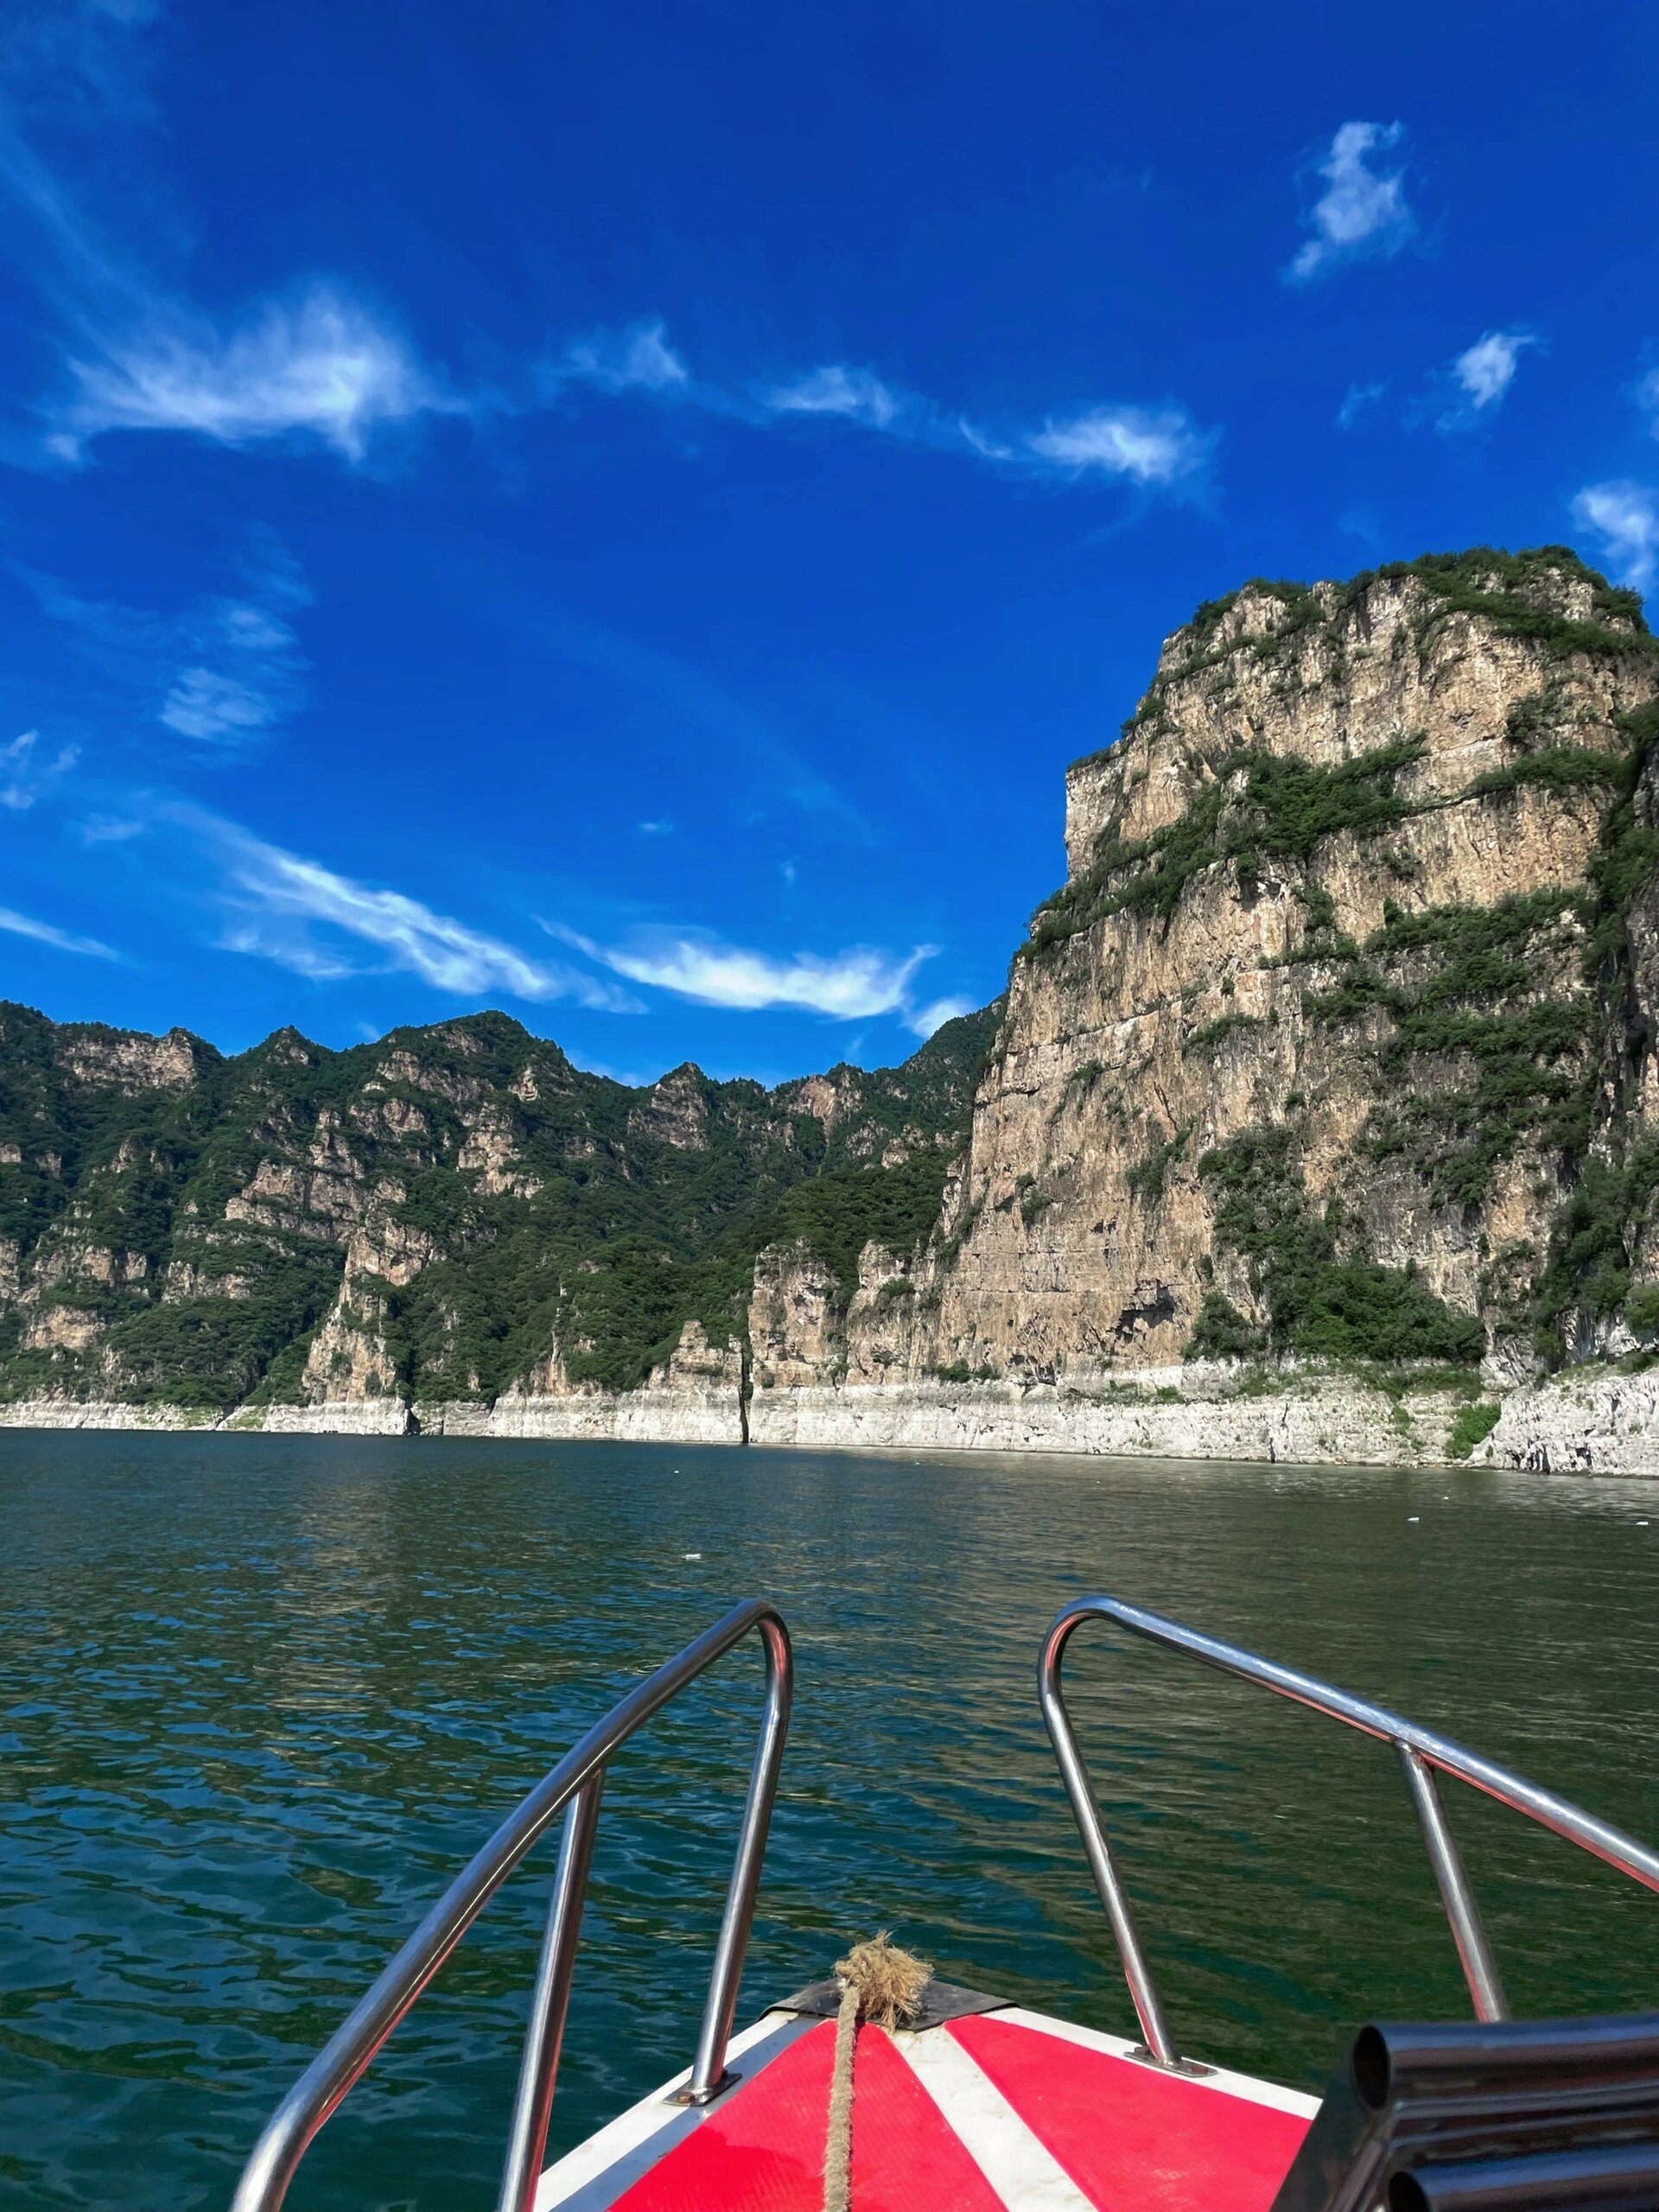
[[878, 1982]]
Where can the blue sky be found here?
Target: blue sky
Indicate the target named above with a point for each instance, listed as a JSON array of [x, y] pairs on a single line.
[[624, 513]]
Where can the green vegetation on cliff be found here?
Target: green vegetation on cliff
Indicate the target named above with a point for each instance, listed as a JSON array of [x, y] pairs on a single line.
[[1324, 1297], [173, 1224], [1498, 1040], [1468, 993], [458, 1211], [1519, 594], [1255, 807]]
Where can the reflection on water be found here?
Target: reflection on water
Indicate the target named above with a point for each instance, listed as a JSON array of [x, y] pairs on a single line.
[[259, 1697]]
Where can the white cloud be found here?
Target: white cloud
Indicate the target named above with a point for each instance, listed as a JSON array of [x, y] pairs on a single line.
[[1358, 398], [1363, 211], [656, 828], [1156, 448], [217, 673], [1477, 379], [855, 393], [1487, 369], [205, 704], [321, 366], [45, 933], [638, 358], [1647, 398], [1139, 444], [24, 774], [279, 898], [851, 985], [1623, 520], [313, 361], [292, 949], [987, 446], [926, 1019]]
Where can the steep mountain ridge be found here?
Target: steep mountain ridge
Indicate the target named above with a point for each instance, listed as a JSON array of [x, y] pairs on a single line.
[[1343, 996], [1321, 1102], [444, 1213]]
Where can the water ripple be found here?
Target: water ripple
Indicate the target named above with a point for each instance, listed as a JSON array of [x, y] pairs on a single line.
[[260, 1697]]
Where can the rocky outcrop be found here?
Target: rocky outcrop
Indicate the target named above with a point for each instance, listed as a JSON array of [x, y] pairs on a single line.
[[124, 1060], [1587, 1423], [353, 1360], [697, 1395], [1313, 996], [1323, 1095], [675, 1111], [367, 1414], [796, 1329], [104, 1413], [456, 1215], [1593, 1420], [1335, 1044]]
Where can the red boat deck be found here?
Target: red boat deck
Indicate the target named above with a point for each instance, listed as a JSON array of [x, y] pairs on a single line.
[[1005, 2108]]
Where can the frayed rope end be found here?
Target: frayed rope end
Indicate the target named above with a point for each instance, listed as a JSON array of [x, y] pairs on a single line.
[[889, 1981]]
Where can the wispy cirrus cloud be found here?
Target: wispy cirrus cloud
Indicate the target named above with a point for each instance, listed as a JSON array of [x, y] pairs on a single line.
[[856, 394], [1151, 448], [1157, 449], [1356, 400], [48, 933], [108, 829], [311, 362], [320, 366], [27, 772], [247, 675], [1363, 212], [315, 363], [218, 673], [310, 918], [848, 986], [1486, 369], [1622, 521], [636, 358]]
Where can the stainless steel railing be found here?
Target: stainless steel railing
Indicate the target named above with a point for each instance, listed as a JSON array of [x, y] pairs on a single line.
[[1421, 1752], [575, 1781]]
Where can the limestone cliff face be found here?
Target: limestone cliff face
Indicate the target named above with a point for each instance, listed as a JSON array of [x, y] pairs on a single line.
[[796, 1331], [353, 1357], [1339, 1009], [453, 1216], [1333, 1053]]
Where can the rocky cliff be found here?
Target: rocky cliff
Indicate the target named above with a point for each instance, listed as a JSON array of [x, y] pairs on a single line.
[[1336, 1036], [1319, 1120], [456, 1215]]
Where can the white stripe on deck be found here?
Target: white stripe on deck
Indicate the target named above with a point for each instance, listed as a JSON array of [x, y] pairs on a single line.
[[1271, 2093], [1020, 2167], [596, 2172]]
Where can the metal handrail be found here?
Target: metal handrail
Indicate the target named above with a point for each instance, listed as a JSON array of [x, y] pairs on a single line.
[[577, 1781], [1421, 1750]]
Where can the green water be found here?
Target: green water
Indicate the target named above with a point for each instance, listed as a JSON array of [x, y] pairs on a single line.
[[259, 1697]]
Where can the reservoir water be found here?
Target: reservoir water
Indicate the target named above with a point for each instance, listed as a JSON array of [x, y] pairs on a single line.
[[260, 1697]]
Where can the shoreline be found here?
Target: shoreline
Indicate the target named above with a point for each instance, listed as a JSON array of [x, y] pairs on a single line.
[[1588, 1420]]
